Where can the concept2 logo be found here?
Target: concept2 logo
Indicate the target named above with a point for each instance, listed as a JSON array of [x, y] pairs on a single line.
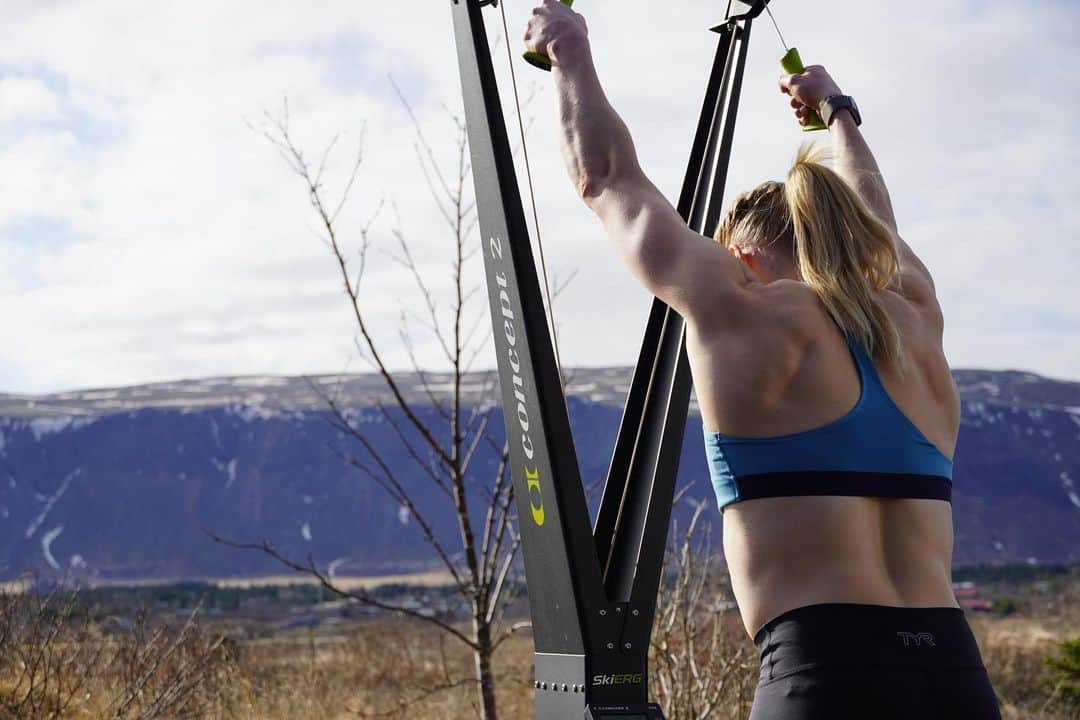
[[510, 333], [536, 498], [919, 639], [620, 679]]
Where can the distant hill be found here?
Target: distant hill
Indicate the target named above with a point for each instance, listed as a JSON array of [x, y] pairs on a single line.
[[119, 483]]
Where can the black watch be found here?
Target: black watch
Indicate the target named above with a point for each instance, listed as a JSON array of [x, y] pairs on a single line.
[[831, 104]]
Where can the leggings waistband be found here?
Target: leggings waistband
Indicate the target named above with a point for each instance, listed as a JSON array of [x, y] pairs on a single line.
[[839, 634]]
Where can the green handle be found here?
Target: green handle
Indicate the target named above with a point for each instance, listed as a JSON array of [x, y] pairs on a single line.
[[792, 63], [540, 60]]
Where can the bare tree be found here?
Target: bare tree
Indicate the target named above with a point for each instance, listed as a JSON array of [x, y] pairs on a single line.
[[480, 562], [701, 667]]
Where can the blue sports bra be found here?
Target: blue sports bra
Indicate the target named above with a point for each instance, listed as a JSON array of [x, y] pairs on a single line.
[[874, 451]]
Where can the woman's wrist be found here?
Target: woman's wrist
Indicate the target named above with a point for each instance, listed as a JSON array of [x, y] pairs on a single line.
[[570, 52], [844, 119]]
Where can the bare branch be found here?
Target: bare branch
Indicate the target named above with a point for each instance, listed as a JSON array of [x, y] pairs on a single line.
[[504, 497], [361, 597], [389, 483], [428, 470], [322, 162], [477, 435], [299, 165], [406, 260], [558, 287], [422, 141], [493, 510], [394, 489], [508, 561], [406, 340]]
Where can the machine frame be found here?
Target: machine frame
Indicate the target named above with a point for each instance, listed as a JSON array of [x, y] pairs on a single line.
[[592, 590]]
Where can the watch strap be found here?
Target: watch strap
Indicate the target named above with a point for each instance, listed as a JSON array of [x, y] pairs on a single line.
[[834, 103]]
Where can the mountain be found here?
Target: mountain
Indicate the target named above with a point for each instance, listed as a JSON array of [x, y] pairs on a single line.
[[124, 483]]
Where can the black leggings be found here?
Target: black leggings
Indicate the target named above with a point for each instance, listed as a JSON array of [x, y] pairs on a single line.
[[844, 660]]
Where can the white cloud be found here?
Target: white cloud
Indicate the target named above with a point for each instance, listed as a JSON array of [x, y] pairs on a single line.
[[180, 244], [26, 97]]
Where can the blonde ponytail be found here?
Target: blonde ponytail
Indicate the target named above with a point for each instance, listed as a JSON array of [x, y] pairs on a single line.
[[842, 250]]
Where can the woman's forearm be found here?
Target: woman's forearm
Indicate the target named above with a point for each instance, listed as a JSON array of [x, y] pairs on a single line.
[[856, 164], [596, 144]]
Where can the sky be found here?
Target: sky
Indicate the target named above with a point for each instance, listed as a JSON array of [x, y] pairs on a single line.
[[149, 231]]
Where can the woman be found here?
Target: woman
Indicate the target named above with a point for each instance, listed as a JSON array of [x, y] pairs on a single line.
[[815, 344]]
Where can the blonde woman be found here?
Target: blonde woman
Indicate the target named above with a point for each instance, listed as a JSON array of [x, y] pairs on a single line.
[[815, 343]]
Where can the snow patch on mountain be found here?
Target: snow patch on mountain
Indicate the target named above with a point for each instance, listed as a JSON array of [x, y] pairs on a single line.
[[448, 387], [99, 394], [260, 381], [46, 541], [229, 469], [41, 427], [977, 413], [50, 501], [334, 564], [247, 413], [216, 433], [989, 387], [255, 410], [361, 416]]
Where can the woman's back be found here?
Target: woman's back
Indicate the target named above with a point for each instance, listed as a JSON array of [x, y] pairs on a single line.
[[791, 371]]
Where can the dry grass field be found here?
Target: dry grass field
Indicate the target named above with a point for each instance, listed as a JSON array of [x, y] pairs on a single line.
[[384, 667]]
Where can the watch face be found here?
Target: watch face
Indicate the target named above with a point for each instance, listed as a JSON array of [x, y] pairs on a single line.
[[855, 111]]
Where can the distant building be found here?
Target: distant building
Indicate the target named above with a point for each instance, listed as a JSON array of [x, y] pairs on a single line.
[[967, 597], [976, 604]]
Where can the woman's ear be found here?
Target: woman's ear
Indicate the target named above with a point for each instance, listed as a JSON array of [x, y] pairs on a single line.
[[745, 258]]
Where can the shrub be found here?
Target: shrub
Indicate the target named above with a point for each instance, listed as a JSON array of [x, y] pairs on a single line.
[[1003, 607], [1063, 682]]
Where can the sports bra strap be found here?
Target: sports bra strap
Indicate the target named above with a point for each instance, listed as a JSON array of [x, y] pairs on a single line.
[[869, 379]]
